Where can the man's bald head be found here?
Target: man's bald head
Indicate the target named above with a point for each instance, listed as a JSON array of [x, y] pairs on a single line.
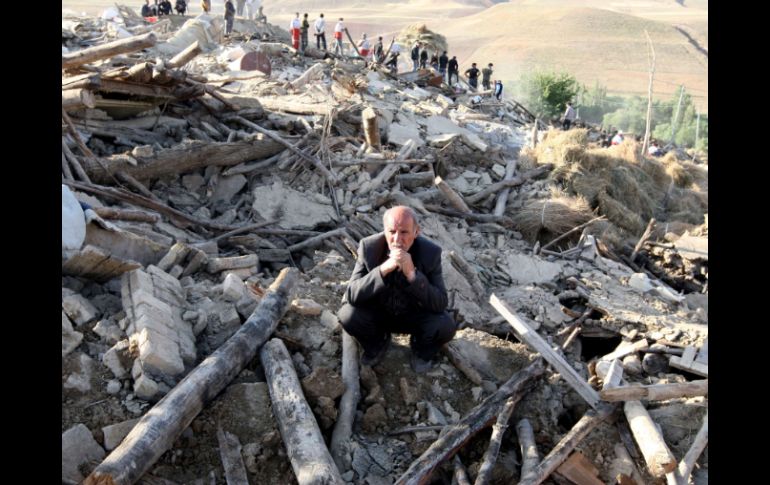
[[401, 227]]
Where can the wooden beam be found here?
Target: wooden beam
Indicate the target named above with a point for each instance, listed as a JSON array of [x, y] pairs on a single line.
[[106, 50], [73, 99], [658, 457], [343, 428], [232, 461], [591, 419], [527, 335], [305, 446], [698, 445], [453, 197], [656, 392], [626, 349], [478, 418], [490, 456], [502, 197], [162, 424], [185, 56], [530, 458]]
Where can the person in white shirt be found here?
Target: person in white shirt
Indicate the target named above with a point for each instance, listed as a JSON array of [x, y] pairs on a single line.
[[294, 27], [320, 32], [618, 138], [338, 30], [569, 116], [251, 7], [364, 46]]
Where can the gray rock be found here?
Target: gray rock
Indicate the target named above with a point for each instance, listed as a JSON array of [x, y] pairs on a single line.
[[361, 461], [70, 339], [227, 187], [323, 382], [114, 433], [109, 331], [113, 386], [117, 358], [78, 447], [525, 269], [78, 309], [434, 415], [293, 209], [80, 379]]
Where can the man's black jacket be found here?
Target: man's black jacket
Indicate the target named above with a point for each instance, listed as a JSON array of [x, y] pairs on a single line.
[[394, 293]]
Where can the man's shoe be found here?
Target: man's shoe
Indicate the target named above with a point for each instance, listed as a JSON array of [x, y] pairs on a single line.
[[420, 365], [375, 357]]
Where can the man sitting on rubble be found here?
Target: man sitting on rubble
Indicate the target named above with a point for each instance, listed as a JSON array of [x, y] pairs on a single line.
[[397, 286]]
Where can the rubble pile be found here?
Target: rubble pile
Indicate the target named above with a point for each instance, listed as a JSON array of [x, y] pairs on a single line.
[[213, 197]]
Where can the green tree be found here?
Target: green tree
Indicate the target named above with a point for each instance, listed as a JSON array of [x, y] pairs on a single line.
[[632, 116], [685, 125], [547, 93]]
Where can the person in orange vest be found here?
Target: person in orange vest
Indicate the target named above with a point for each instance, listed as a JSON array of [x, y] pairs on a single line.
[[294, 28], [338, 30]]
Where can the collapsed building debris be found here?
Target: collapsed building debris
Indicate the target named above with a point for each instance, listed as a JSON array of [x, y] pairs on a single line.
[[194, 177]]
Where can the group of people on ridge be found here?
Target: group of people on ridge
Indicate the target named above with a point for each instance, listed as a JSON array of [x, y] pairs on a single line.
[[163, 7]]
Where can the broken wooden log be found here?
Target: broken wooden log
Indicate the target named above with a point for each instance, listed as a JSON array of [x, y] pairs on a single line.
[[185, 157], [460, 475], [627, 349], [73, 160], [311, 73], [305, 446], [502, 197], [658, 457], [185, 56], [106, 50], [560, 452], [89, 80], [490, 456], [471, 274], [530, 337], [371, 129], [698, 445], [645, 236], [470, 216], [296, 107], [112, 213], [140, 200], [656, 392], [316, 240], [216, 265], [343, 428], [477, 419], [131, 181], [161, 425], [462, 364], [530, 458], [232, 461], [74, 99], [65, 168], [317, 163], [453, 197]]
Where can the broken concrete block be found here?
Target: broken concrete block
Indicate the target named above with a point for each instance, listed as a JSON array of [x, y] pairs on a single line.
[[116, 358], [525, 269], [439, 125], [70, 339], [108, 330], [241, 273], [78, 449], [192, 182], [307, 307], [114, 433], [113, 387], [80, 378], [330, 321], [78, 309], [215, 265], [197, 260], [73, 223], [158, 353], [233, 288], [400, 133], [293, 209], [444, 101], [145, 388], [417, 93], [246, 305], [227, 187], [174, 256], [323, 382]]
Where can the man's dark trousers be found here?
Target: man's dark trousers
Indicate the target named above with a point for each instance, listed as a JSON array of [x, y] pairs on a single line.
[[371, 325]]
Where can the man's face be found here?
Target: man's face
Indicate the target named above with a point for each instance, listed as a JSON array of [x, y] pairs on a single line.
[[400, 230]]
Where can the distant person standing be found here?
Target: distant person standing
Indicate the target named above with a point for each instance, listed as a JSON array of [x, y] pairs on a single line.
[[251, 7], [239, 4], [320, 31], [364, 46], [180, 7], [498, 90], [423, 59], [206, 5], [379, 51], [473, 76], [303, 31], [392, 61], [454, 68], [164, 7], [486, 75], [294, 28], [338, 30], [442, 62], [415, 56], [147, 9], [569, 116], [618, 138], [229, 16]]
